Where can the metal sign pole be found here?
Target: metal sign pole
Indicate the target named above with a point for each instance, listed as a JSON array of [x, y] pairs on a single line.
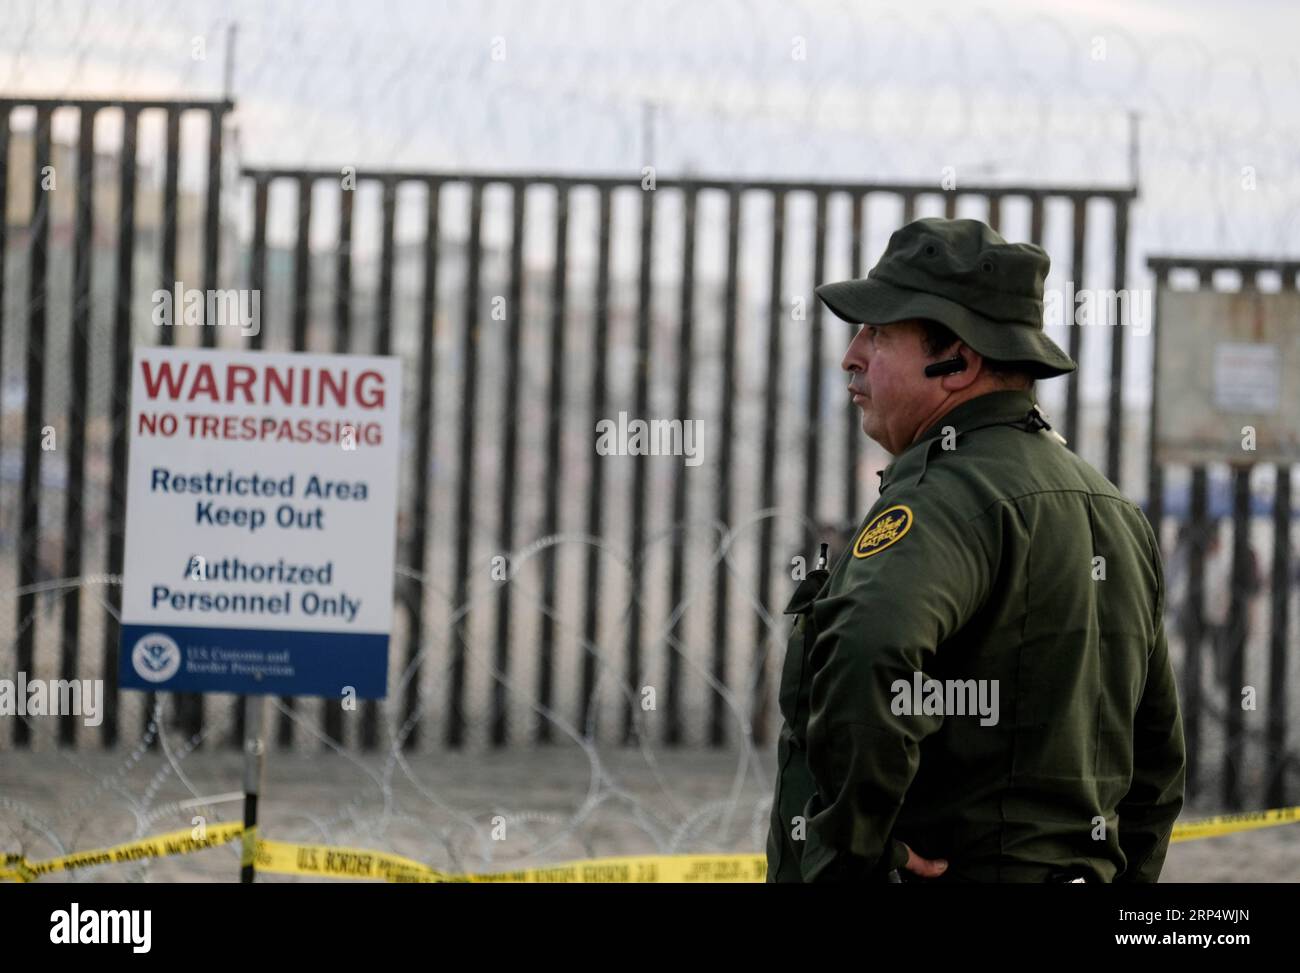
[[254, 763]]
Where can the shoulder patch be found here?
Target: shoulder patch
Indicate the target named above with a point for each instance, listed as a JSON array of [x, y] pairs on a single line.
[[886, 528]]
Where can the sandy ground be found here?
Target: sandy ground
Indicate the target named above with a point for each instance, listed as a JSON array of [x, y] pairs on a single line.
[[556, 804]]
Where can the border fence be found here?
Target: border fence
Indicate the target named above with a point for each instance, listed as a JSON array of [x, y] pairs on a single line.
[[526, 308], [1230, 640]]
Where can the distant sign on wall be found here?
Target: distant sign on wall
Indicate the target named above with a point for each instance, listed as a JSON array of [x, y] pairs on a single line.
[[260, 521], [1228, 362]]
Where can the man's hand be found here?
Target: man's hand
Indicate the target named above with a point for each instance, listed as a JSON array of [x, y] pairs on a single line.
[[924, 867]]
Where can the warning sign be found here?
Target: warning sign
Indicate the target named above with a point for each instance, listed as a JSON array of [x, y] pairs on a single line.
[[1228, 377], [260, 519]]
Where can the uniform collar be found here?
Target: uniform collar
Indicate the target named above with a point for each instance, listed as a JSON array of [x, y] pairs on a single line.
[[990, 409]]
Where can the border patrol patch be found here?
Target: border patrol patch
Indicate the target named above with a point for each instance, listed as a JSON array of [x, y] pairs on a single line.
[[886, 528]]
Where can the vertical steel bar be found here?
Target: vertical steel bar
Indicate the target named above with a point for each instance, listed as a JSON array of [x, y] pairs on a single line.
[[455, 733], [384, 346], [171, 170], [119, 417], [182, 703], [302, 266], [1078, 254], [509, 460], [853, 423], [726, 407], [38, 237], [78, 372], [1115, 417], [637, 546], [211, 260], [1276, 794], [423, 457], [674, 733], [1194, 612], [767, 487], [257, 282], [257, 277], [1036, 219], [1236, 637], [813, 434], [1238, 633], [1155, 472], [554, 459], [587, 704], [301, 319], [332, 709], [343, 275]]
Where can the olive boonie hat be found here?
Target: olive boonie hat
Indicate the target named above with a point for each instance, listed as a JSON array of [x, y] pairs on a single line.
[[962, 274]]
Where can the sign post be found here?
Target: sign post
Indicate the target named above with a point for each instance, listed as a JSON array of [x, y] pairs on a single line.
[[260, 531], [254, 764]]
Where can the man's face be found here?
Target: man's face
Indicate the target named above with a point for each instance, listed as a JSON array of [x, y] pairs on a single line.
[[886, 365]]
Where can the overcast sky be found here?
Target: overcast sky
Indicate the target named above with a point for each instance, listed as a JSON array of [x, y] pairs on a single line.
[[1013, 92]]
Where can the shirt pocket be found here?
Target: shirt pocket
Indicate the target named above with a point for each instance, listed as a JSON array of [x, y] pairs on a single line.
[[792, 695]]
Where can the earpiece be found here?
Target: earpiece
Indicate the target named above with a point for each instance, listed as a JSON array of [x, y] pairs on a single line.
[[946, 367]]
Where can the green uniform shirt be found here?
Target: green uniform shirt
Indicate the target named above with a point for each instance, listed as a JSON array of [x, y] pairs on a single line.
[[994, 554]]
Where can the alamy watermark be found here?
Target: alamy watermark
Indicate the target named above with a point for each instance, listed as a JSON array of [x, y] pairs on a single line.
[[1083, 306], [653, 437], [53, 697], [75, 925], [951, 697], [231, 308]]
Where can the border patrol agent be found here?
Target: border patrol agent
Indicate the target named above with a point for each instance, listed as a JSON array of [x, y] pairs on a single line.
[[997, 562]]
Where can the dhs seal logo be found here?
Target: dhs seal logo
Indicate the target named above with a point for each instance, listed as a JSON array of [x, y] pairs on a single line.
[[156, 657]]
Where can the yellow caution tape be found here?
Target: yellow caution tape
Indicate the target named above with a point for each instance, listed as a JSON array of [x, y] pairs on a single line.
[[332, 861], [1228, 823], [17, 868], [644, 868]]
